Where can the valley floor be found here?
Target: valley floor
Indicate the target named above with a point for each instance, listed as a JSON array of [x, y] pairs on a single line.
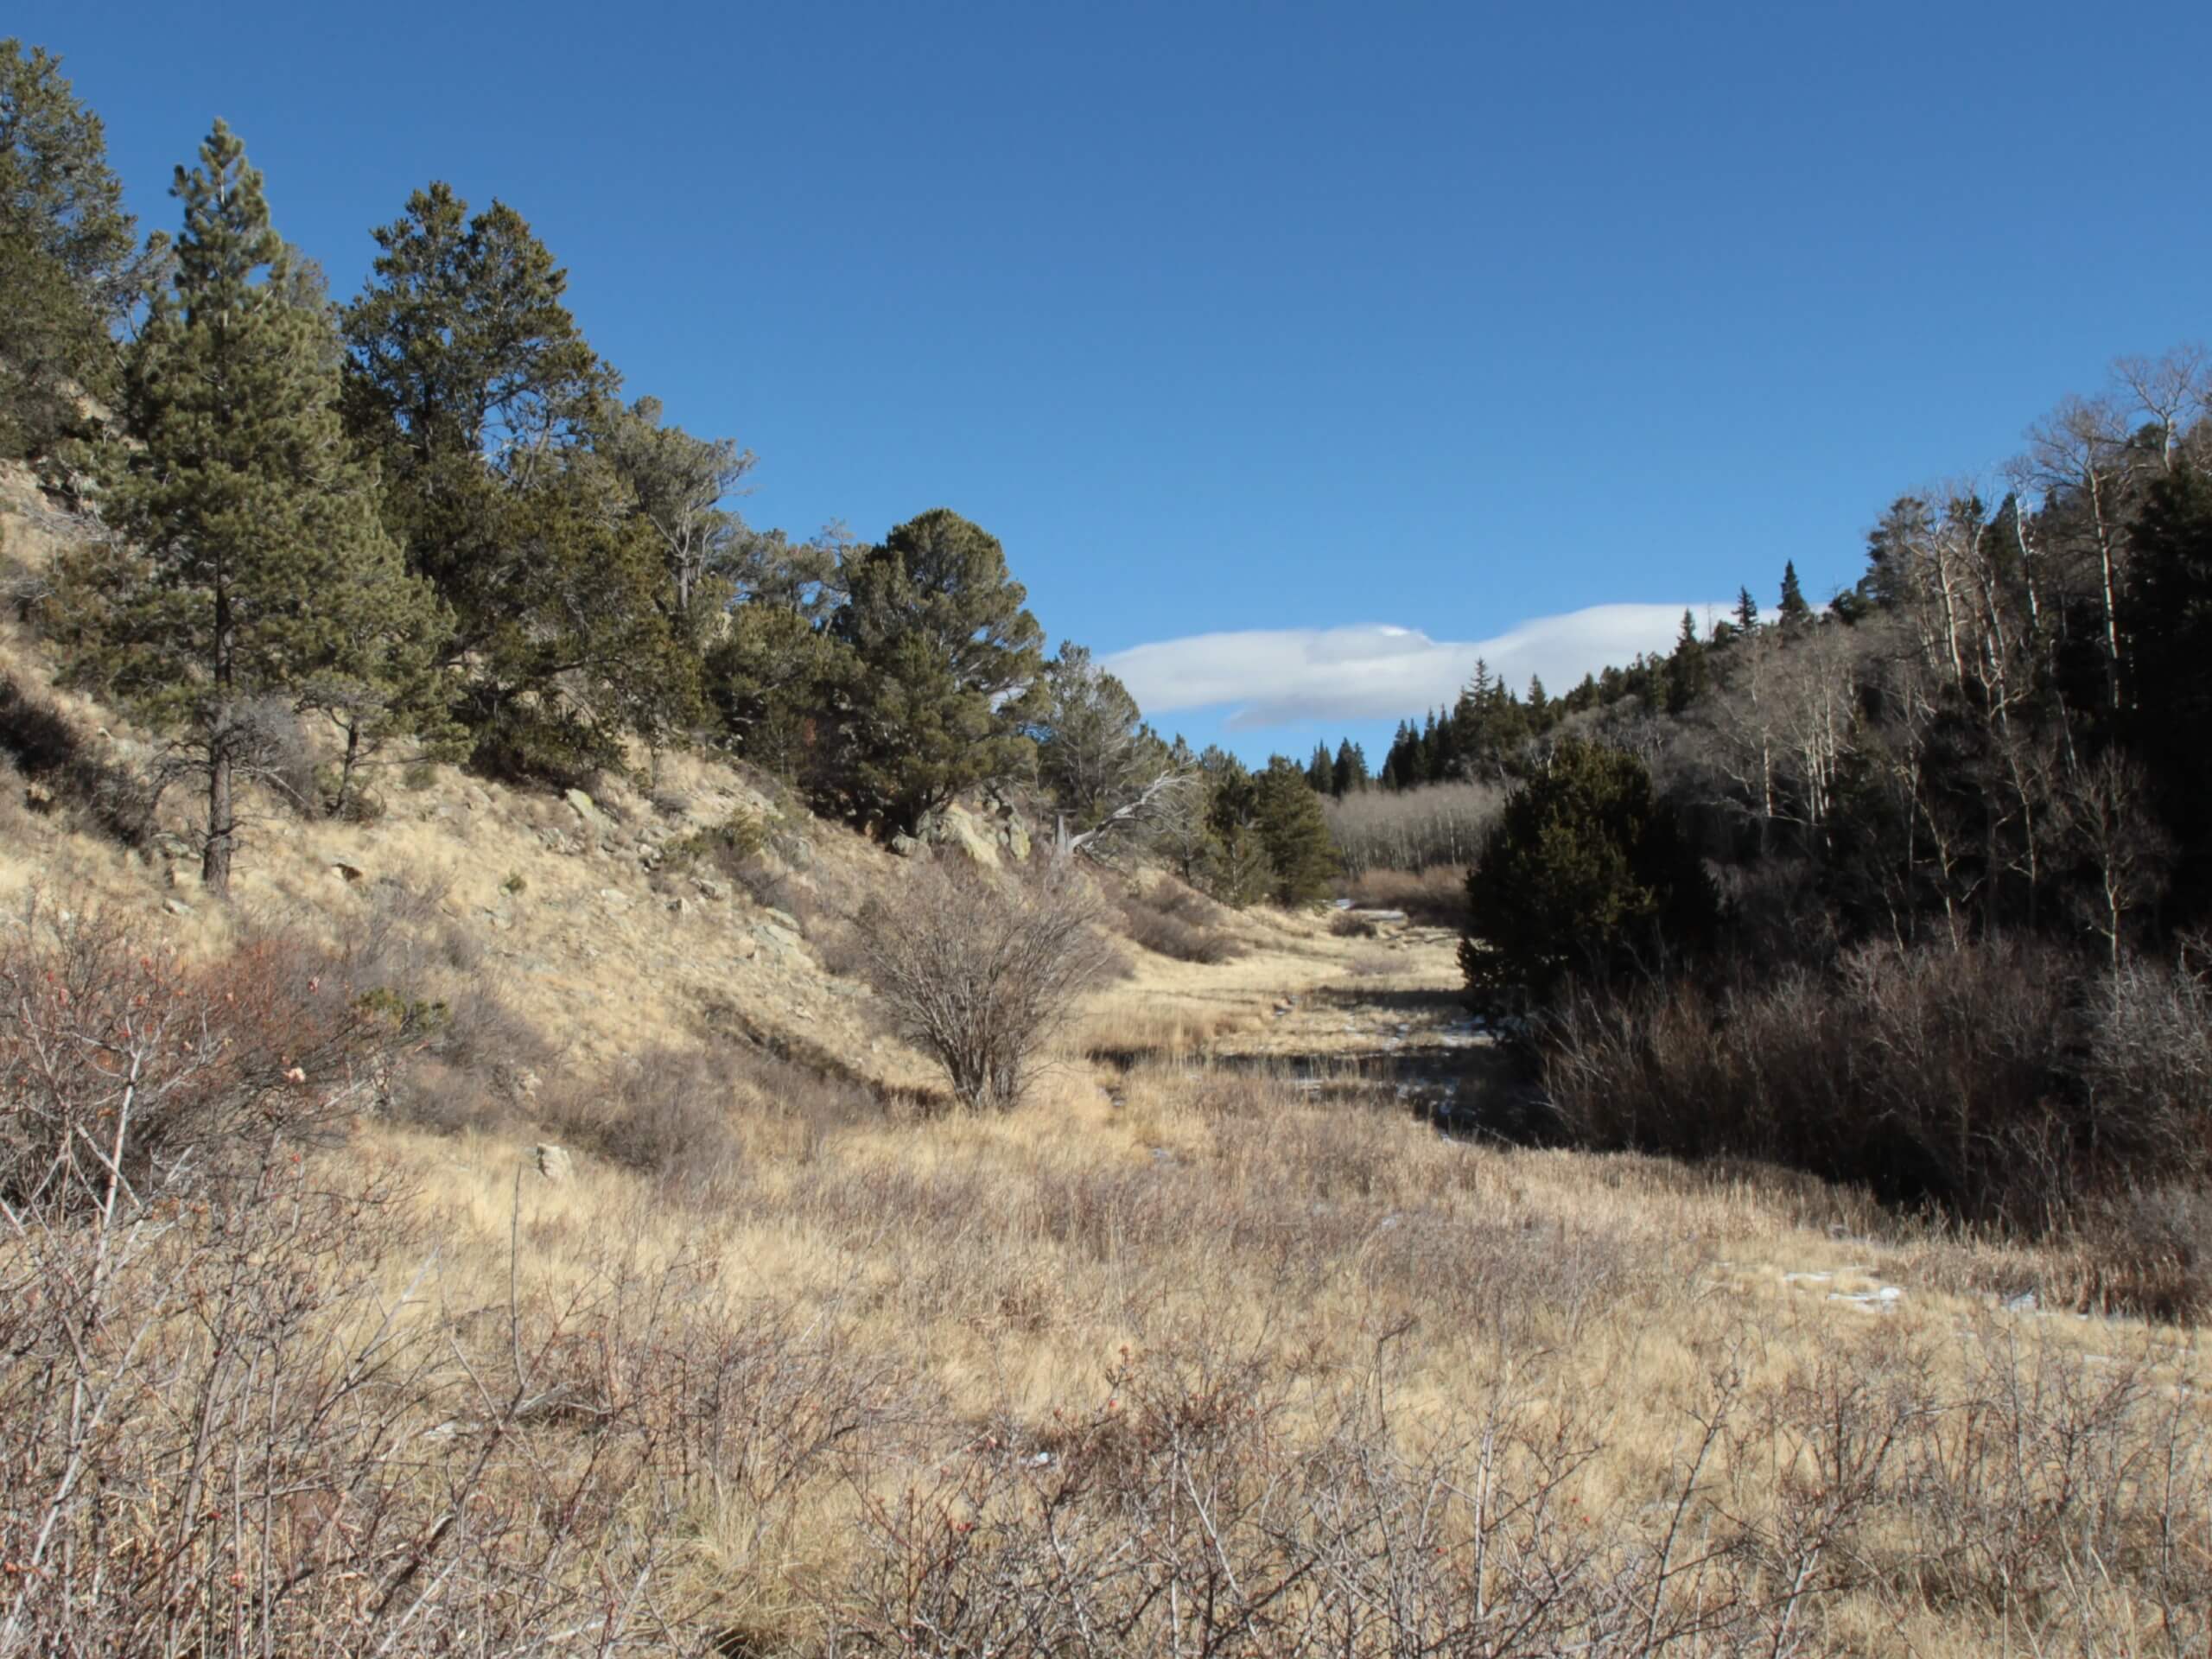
[[1221, 1308]]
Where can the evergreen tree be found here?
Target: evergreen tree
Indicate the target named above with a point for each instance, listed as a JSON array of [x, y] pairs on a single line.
[[783, 685], [1795, 612], [1229, 786], [69, 265], [258, 568], [1747, 611], [1235, 870], [1184, 834], [1584, 870], [1320, 770], [1242, 872], [381, 680], [950, 662], [1686, 669], [1094, 752], [471, 382], [1489, 726], [1399, 764], [1348, 772], [677, 486], [1287, 818]]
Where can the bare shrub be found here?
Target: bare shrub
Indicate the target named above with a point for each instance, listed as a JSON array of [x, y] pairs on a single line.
[[1928, 1076], [283, 757], [840, 946], [422, 965], [775, 888], [666, 1112], [2148, 1072], [1956, 1078], [1172, 920], [1345, 924], [1436, 897], [2150, 1252], [238, 1416], [729, 848], [1439, 825], [979, 971], [123, 1071], [817, 1105], [220, 1434], [448, 1099]]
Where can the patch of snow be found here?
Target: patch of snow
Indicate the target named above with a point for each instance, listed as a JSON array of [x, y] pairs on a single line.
[[1871, 1301]]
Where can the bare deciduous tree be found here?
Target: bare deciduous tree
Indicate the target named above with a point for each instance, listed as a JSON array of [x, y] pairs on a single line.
[[2174, 390], [2102, 812], [2081, 450]]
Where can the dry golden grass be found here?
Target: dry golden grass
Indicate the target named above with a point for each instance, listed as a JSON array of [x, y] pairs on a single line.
[[1000, 1272], [1235, 1264], [1213, 1345], [1330, 1250]]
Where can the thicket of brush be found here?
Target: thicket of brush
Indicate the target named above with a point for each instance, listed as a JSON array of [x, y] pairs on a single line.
[[2000, 1082], [263, 1396], [1170, 919]]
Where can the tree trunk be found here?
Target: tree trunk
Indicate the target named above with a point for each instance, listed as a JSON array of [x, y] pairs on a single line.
[[345, 768], [215, 862], [222, 739]]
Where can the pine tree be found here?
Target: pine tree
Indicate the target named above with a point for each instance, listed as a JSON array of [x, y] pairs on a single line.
[[1686, 668], [1583, 871], [470, 381], [1348, 772], [782, 685], [1287, 818], [1183, 835], [951, 663], [1401, 764], [1236, 869], [1242, 873], [678, 485], [1320, 770], [1795, 612], [2168, 615], [1747, 610], [259, 567], [69, 265], [1094, 752]]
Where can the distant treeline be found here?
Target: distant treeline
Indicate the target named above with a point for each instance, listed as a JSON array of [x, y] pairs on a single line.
[[1952, 833]]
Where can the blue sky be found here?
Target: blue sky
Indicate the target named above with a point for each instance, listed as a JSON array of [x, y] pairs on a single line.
[[1363, 333]]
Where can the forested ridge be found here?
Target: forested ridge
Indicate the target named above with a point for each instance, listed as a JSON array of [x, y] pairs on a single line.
[[1910, 888]]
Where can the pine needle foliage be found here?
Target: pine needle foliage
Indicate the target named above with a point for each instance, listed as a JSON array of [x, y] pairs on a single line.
[[251, 563]]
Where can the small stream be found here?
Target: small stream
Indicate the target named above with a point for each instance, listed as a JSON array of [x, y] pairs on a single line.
[[1458, 1079]]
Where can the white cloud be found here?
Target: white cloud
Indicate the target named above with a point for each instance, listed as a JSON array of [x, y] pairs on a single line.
[[1372, 672]]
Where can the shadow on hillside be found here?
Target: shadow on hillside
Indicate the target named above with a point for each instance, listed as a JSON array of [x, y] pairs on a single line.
[[63, 768]]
